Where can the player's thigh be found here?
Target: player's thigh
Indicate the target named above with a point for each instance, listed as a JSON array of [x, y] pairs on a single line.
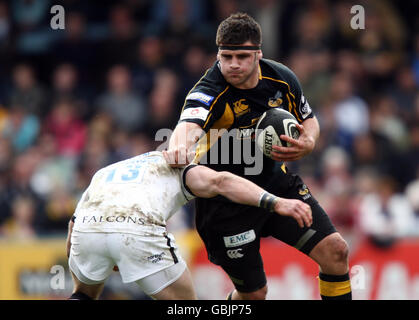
[[287, 229], [89, 258], [231, 234], [172, 283], [138, 256]]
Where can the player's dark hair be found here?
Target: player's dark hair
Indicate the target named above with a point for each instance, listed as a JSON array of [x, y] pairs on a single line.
[[237, 29]]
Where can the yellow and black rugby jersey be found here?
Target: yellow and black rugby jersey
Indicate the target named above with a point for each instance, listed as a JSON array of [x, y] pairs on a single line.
[[215, 104]]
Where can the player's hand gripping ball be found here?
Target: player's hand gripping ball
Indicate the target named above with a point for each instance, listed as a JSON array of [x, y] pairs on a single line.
[[271, 125]]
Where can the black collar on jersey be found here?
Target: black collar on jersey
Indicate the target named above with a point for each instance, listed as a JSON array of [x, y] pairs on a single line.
[[238, 47]]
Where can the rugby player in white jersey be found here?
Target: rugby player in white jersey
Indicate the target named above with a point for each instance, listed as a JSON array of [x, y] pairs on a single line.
[[120, 221]]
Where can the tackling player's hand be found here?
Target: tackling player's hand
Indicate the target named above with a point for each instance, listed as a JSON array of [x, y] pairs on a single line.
[[296, 209], [299, 148], [179, 157]]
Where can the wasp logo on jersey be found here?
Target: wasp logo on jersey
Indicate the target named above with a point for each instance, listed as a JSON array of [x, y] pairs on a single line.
[[201, 97], [304, 107], [276, 101], [304, 192]]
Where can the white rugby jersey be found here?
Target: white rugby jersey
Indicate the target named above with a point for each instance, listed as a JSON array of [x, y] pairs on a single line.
[[137, 195]]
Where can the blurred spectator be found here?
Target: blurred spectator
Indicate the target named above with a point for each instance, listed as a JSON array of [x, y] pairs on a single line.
[[66, 85], [5, 26], [20, 225], [404, 91], [21, 128], [372, 151], [119, 46], [311, 31], [386, 214], [6, 160], [349, 62], [150, 56], [140, 143], [381, 42], [408, 161], [29, 14], [58, 211], [96, 155], [18, 184], [350, 111], [313, 72], [415, 57], [268, 13], [54, 172], [126, 108], [164, 105], [337, 183], [386, 121], [27, 92], [74, 47], [223, 8], [412, 192], [68, 131], [178, 22], [6, 156], [336, 170], [193, 67]]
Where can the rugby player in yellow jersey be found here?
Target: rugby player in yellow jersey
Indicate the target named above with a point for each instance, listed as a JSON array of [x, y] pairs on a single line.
[[231, 96]]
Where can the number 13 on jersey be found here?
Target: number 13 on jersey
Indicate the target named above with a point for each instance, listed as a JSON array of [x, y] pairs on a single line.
[[125, 175]]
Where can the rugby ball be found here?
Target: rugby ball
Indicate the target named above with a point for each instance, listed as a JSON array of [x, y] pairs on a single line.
[[271, 125]]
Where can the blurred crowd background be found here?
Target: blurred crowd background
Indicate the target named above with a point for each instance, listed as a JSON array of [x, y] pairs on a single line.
[[75, 100]]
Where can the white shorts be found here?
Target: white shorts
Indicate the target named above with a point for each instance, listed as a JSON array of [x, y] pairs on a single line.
[[153, 262]]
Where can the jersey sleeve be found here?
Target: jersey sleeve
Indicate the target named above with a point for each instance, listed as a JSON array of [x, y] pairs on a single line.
[[185, 189], [202, 104], [302, 110]]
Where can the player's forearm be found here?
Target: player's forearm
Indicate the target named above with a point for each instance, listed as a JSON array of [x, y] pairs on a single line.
[[238, 189], [312, 129], [185, 134]]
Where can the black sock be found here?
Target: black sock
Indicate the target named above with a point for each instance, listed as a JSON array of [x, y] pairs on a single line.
[[334, 287], [79, 296]]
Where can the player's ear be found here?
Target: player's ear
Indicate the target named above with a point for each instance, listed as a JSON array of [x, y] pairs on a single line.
[[218, 55], [260, 54]]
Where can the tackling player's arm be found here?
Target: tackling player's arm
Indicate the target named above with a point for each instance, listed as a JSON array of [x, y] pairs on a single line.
[[207, 183]]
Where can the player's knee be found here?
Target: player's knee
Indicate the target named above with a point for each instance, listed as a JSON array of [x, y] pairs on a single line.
[[338, 250], [333, 250]]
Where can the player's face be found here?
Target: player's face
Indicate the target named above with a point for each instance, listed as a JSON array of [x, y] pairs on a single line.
[[240, 68]]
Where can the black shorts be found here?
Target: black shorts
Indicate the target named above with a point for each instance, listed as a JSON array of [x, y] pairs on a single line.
[[232, 232]]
